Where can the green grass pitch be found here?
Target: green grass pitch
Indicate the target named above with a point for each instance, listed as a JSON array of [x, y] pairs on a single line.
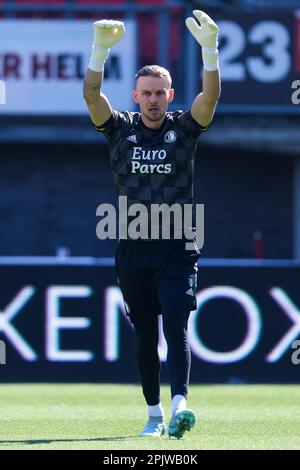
[[110, 417]]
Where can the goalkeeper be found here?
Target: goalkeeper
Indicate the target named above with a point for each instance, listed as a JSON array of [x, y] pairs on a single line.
[[152, 154]]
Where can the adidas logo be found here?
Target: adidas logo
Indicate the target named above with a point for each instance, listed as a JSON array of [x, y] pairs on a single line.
[[132, 138], [190, 292]]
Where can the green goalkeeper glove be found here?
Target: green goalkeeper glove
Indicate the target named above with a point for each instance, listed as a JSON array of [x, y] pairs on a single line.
[[207, 36], [107, 33]]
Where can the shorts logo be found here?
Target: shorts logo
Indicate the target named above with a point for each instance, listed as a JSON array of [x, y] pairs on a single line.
[[170, 137], [192, 280], [192, 285]]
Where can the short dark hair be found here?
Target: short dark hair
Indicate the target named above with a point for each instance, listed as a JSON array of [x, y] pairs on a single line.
[[153, 71]]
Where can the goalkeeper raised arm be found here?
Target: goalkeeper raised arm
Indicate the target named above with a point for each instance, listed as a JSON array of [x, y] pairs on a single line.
[[206, 35], [152, 154], [107, 33]]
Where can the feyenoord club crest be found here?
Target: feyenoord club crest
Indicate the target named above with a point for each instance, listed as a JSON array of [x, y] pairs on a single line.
[[170, 137]]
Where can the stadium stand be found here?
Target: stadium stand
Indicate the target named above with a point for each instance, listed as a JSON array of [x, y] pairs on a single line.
[[28, 13], [236, 144]]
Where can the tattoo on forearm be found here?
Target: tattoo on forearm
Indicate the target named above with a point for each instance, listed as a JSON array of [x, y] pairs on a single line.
[[92, 87]]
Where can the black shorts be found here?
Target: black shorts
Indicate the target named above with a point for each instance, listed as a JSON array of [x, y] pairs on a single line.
[[157, 275]]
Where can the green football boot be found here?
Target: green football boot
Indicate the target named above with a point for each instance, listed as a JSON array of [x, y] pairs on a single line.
[[181, 421]]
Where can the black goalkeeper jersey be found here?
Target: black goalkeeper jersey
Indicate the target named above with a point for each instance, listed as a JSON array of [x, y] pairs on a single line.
[[152, 166]]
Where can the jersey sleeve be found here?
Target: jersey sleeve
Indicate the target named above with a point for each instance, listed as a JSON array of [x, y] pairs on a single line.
[[114, 127], [188, 125]]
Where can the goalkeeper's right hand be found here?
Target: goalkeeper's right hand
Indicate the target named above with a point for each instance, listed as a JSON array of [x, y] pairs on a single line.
[[107, 33]]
